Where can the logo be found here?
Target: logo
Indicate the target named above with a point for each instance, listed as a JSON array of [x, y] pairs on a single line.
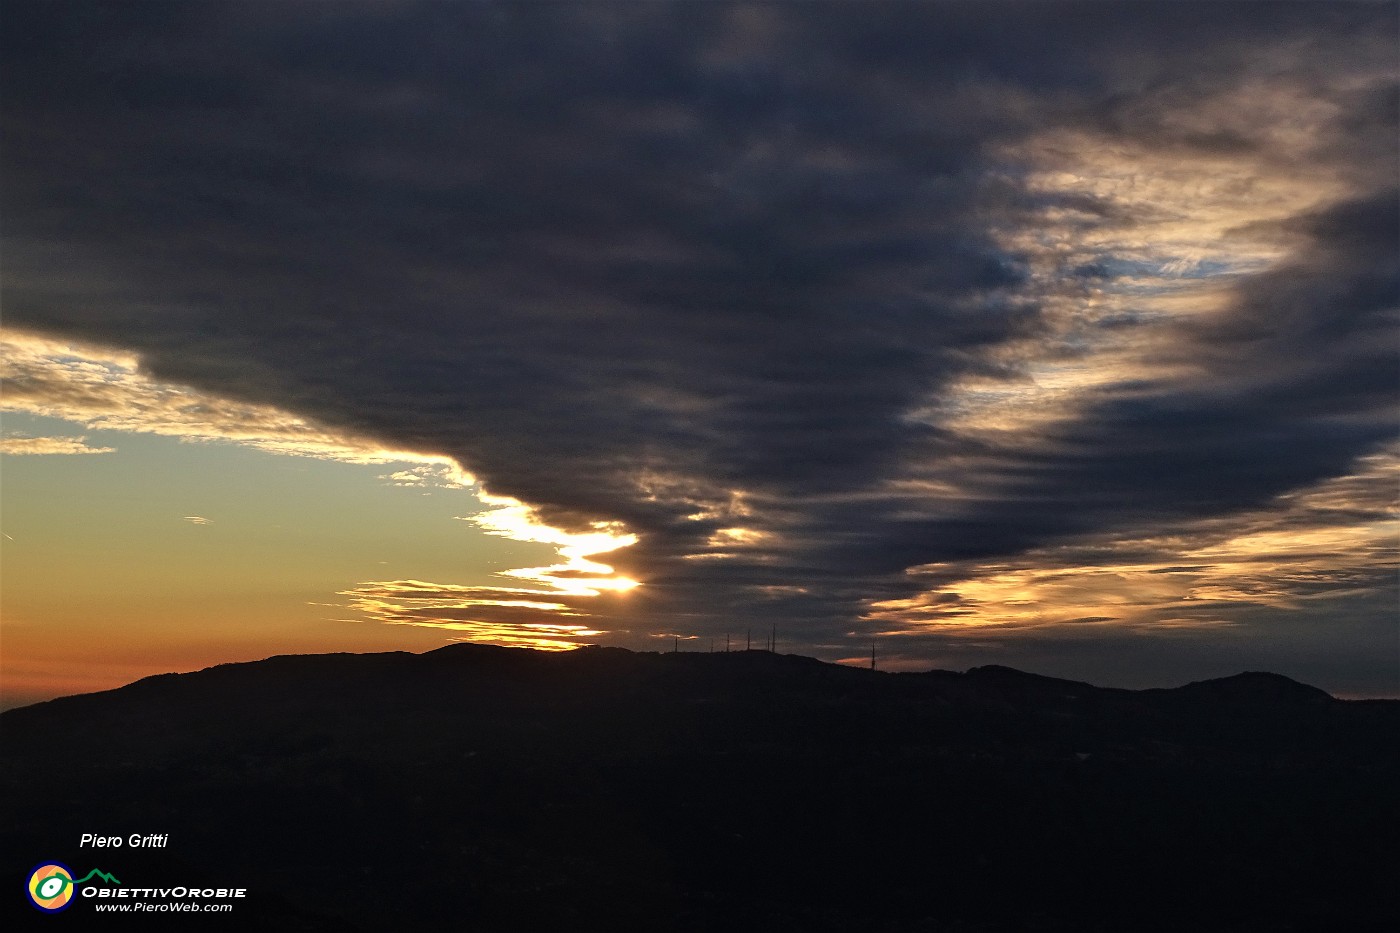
[[51, 886]]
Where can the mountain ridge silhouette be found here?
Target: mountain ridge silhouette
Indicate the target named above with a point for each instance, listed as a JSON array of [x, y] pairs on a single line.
[[1240, 685], [691, 791]]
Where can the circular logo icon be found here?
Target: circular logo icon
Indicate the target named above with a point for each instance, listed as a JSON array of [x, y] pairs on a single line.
[[51, 887]]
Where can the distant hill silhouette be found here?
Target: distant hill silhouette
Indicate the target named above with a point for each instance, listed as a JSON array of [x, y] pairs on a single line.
[[1255, 687], [500, 789]]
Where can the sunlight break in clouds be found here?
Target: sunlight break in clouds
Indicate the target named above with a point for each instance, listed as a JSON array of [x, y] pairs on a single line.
[[510, 615], [1132, 235], [577, 575], [1310, 547], [104, 389]]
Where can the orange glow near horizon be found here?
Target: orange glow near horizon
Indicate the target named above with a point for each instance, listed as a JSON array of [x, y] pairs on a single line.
[[67, 632]]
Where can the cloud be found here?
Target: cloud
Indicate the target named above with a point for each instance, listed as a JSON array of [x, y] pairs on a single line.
[[535, 618], [104, 388], [17, 445], [802, 297], [578, 574], [1301, 553], [197, 520], [429, 476]]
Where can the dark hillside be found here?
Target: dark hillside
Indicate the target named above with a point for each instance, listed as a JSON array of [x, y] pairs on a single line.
[[503, 789]]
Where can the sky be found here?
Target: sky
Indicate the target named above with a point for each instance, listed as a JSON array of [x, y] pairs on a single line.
[[1055, 335]]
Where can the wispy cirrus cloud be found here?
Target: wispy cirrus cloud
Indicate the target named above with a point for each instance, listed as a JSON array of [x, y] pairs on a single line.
[[105, 388], [536, 618], [1329, 542], [19, 445]]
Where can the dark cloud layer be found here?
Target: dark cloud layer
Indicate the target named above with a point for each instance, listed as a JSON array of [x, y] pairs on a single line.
[[701, 266], [1294, 379]]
